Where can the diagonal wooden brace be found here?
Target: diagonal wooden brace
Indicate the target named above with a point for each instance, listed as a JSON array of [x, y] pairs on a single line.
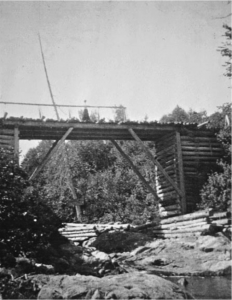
[[51, 151], [155, 161], [135, 169]]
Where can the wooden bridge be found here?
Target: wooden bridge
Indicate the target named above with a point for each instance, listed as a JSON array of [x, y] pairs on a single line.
[[181, 150]]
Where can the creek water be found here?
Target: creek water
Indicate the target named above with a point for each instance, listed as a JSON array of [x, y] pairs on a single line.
[[218, 287]]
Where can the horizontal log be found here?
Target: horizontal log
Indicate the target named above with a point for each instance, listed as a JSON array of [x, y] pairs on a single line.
[[167, 194], [196, 148], [201, 153], [224, 221], [7, 137], [145, 226], [7, 132], [97, 225], [212, 143], [166, 199], [78, 239], [177, 235], [172, 201], [205, 159], [218, 215], [7, 142], [185, 230], [161, 188], [170, 207], [169, 213], [79, 235], [179, 226], [193, 223], [191, 216], [199, 139], [6, 146], [71, 231]]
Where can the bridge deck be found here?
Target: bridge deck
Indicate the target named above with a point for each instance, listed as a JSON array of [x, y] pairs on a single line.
[[53, 130]]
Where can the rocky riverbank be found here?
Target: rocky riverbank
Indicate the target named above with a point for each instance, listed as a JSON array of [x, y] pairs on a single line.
[[196, 256], [134, 270]]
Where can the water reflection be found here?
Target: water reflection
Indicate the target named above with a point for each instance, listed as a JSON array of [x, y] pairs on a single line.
[[218, 287]]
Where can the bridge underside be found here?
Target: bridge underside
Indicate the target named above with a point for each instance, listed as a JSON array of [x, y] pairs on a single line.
[[181, 152], [53, 130]]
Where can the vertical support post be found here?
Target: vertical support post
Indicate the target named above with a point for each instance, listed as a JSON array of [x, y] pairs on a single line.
[[181, 172], [16, 144]]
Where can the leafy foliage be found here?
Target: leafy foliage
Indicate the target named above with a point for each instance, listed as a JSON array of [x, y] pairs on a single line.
[[226, 50], [106, 187], [26, 224], [216, 193], [180, 115]]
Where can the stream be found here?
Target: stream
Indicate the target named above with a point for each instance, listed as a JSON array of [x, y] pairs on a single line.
[[218, 287]]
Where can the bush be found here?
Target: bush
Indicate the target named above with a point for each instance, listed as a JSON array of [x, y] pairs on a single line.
[[216, 193], [26, 224]]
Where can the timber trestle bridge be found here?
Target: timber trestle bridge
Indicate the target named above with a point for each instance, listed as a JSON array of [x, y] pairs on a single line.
[[182, 152]]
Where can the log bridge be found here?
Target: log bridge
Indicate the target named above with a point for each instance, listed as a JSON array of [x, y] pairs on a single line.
[[182, 152]]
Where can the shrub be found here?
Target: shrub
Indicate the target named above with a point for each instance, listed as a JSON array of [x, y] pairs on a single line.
[[26, 223], [216, 193]]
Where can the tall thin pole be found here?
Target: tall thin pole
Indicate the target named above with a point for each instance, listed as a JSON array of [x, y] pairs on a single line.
[[49, 85], [71, 185]]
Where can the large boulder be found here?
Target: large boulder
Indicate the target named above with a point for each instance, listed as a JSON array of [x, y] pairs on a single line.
[[136, 285]]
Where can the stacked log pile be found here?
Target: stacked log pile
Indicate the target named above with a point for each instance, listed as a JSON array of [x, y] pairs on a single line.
[[79, 233], [188, 225], [193, 224], [169, 204]]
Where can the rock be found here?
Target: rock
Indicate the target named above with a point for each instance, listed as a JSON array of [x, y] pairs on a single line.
[[218, 267], [139, 250], [50, 293], [89, 242], [136, 285], [212, 243], [100, 256], [183, 281], [45, 269]]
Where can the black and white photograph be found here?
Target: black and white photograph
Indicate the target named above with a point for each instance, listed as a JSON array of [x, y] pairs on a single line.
[[115, 149]]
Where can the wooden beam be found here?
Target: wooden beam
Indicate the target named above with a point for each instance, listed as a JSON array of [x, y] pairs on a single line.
[[51, 151], [155, 161], [135, 169], [181, 172], [16, 144]]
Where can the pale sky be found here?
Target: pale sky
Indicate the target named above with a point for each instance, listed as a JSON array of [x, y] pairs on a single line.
[[147, 56]]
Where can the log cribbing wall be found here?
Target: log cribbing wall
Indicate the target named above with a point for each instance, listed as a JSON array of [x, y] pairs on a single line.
[[7, 140], [166, 151], [188, 158], [200, 154]]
